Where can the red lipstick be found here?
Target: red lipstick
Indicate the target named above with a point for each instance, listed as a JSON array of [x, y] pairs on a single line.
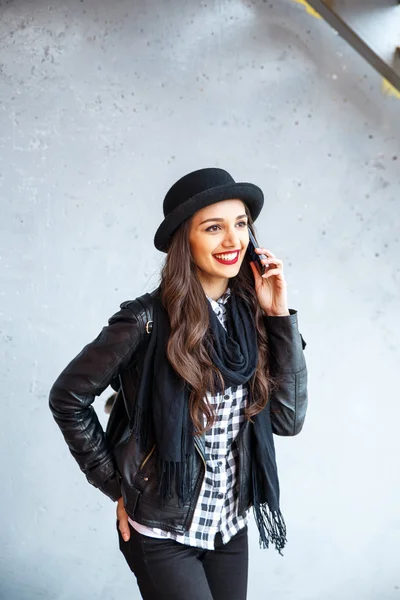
[[228, 262]]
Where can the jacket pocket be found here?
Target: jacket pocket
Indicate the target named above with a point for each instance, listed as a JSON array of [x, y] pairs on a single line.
[[131, 498], [129, 460], [146, 478]]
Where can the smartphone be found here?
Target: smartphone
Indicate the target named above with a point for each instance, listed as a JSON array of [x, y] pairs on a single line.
[[253, 255]]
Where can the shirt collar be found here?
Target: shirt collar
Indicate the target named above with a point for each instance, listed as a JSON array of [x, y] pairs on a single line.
[[222, 300]]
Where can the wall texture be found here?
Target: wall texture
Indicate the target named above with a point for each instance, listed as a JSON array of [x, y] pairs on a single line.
[[102, 106]]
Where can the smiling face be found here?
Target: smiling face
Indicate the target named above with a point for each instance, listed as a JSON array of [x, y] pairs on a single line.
[[218, 239]]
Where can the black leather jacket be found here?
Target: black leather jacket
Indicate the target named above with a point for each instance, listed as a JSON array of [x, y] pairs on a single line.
[[111, 461]]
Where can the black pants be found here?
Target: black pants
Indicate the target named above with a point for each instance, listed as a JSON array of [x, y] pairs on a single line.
[[167, 570]]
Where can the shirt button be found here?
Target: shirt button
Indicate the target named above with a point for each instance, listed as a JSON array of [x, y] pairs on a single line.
[[220, 463], [226, 397], [220, 496], [221, 430]]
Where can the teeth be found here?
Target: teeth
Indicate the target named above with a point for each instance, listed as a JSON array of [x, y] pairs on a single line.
[[230, 256]]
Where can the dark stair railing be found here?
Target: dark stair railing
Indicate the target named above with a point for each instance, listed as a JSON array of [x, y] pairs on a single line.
[[390, 71]]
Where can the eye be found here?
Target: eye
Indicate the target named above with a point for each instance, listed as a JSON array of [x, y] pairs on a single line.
[[242, 224], [213, 228]]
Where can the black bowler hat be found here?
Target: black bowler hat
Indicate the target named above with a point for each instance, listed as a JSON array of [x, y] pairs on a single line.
[[198, 190]]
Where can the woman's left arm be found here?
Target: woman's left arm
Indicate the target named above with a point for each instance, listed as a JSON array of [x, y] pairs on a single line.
[[288, 401]]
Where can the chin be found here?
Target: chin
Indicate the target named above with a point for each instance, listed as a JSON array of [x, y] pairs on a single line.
[[228, 272]]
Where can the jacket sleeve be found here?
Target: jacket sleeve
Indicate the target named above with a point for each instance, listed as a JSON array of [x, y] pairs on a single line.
[[72, 394], [289, 399]]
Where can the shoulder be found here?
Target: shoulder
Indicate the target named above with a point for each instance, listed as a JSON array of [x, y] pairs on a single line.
[[138, 309]]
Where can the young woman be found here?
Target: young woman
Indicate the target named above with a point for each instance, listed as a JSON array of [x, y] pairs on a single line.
[[207, 368]]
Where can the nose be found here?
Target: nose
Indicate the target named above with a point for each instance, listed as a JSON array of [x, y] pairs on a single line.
[[232, 239]]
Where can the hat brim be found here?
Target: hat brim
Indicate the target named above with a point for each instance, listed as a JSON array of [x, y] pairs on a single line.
[[249, 193]]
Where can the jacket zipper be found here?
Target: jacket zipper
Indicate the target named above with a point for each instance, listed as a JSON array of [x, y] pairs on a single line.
[[198, 486], [202, 458], [147, 457]]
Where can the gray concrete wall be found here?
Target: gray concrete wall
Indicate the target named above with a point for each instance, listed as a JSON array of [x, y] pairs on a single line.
[[102, 106]]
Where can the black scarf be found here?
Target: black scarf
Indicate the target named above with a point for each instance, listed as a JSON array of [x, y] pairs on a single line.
[[161, 411]]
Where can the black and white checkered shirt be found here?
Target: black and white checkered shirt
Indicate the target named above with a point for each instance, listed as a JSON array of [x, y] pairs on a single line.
[[217, 506]]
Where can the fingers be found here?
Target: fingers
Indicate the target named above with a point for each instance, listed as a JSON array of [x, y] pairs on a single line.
[[123, 524], [270, 260], [265, 251], [273, 261], [272, 272]]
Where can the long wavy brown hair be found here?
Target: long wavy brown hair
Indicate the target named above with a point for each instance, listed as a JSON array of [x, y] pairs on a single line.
[[185, 301]]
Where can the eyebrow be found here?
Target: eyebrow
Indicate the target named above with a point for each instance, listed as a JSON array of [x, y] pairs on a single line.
[[220, 220]]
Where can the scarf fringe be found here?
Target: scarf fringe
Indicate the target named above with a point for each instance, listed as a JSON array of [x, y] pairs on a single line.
[[175, 478], [271, 527]]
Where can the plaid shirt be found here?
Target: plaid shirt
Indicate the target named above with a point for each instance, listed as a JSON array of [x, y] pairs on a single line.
[[217, 506]]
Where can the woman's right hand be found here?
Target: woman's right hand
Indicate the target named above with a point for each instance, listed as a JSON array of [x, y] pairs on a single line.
[[122, 517]]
